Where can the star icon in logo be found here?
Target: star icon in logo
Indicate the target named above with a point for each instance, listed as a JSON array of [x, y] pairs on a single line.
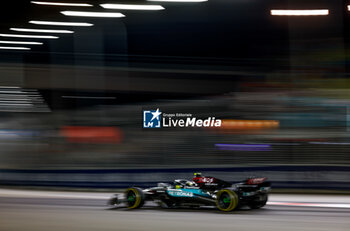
[[156, 114]]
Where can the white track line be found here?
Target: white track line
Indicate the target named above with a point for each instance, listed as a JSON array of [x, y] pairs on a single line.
[[54, 194], [347, 206], [292, 200]]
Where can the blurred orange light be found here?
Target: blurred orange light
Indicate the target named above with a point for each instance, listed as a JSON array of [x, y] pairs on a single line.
[[85, 134], [249, 124]]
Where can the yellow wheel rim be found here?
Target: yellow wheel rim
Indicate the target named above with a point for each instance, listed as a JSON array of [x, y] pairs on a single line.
[[233, 200], [137, 199]]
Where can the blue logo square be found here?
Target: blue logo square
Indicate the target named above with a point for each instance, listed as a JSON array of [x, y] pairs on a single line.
[[152, 119]]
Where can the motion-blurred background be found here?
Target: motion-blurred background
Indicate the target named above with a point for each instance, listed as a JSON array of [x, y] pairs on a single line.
[[71, 107]]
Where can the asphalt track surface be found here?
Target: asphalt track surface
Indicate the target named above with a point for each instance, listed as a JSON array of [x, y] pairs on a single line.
[[51, 211]]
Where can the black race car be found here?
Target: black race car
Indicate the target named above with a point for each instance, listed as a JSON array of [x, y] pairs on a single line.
[[201, 191]]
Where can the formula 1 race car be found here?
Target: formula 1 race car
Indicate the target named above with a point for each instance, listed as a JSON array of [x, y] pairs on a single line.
[[202, 191]]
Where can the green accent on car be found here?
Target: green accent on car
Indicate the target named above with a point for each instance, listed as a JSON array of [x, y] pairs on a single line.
[[226, 200], [131, 198]]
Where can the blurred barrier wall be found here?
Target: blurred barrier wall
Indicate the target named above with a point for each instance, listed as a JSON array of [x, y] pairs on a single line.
[[308, 149], [290, 177]]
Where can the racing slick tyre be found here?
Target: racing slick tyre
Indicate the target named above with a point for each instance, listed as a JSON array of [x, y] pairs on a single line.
[[259, 204], [226, 200], [135, 198]]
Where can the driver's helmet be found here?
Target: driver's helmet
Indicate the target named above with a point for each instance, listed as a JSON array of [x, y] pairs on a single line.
[[184, 183], [197, 174]]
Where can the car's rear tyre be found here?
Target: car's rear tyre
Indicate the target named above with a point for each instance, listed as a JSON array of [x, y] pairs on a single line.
[[259, 204], [226, 200], [135, 198]]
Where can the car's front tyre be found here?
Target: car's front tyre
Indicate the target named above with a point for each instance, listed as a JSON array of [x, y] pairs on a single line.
[[135, 198]]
